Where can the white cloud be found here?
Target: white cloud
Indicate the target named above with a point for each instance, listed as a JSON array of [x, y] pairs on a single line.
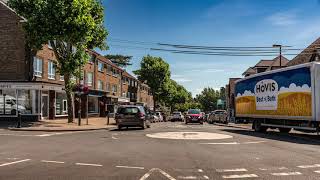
[[294, 88], [246, 93], [282, 19], [182, 80]]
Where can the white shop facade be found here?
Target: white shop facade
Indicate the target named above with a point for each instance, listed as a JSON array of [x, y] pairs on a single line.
[[33, 100]]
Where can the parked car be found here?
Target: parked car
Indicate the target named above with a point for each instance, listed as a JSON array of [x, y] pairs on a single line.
[[194, 116], [211, 117], [159, 115], [177, 116], [220, 116], [132, 116]]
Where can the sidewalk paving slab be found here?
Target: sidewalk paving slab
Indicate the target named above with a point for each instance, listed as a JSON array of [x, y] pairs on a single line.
[[63, 125]]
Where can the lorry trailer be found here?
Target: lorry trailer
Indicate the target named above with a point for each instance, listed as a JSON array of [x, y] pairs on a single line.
[[284, 98]]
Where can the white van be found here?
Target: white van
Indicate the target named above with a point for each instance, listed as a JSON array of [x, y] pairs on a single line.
[[9, 107]]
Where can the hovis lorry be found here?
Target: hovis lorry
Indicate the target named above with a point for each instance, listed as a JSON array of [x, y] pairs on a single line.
[[285, 98]]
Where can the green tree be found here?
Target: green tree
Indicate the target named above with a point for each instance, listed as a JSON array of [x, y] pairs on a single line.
[[119, 60], [175, 94], [154, 71], [71, 26], [208, 99]]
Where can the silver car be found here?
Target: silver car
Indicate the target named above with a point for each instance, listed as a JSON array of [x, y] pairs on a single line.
[[132, 116]]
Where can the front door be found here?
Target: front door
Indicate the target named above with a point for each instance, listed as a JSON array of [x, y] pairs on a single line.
[[45, 106]]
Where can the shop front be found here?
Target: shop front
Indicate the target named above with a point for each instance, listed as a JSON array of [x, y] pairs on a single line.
[[31, 100]]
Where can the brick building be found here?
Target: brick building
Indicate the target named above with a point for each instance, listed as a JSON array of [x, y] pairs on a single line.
[[31, 85]]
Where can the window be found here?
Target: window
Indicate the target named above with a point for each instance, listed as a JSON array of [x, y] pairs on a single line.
[[65, 105], [61, 78], [128, 94], [51, 70], [61, 103], [93, 104], [109, 70], [89, 78], [49, 45], [100, 66], [100, 85], [114, 88], [37, 66], [108, 88]]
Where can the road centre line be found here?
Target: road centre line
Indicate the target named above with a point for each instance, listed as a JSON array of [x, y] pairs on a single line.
[[14, 162], [130, 167], [232, 170], [240, 176], [317, 171], [309, 166], [205, 177], [286, 173], [86, 164], [273, 168], [200, 170], [57, 162]]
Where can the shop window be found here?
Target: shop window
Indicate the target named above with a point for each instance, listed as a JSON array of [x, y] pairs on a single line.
[[51, 70], [100, 66], [37, 67], [28, 101], [93, 104], [100, 85], [89, 79], [61, 103]]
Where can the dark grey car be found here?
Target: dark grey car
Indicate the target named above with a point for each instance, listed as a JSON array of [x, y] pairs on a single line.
[[132, 116]]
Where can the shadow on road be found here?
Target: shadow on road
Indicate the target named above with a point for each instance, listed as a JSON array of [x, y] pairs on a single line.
[[298, 138], [127, 129]]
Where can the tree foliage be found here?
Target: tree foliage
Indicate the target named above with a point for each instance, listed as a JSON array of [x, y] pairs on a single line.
[[154, 71], [208, 99], [72, 26], [119, 60]]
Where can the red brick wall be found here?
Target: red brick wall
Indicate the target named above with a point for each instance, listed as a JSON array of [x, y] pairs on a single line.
[[12, 46]]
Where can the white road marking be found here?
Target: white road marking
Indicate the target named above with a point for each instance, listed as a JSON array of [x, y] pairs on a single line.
[[86, 164], [57, 162], [13, 158], [272, 168], [286, 173], [309, 166], [200, 170], [316, 171], [145, 176], [206, 177], [16, 135], [130, 167], [232, 170], [240, 176], [188, 135], [187, 177], [14, 162], [224, 143]]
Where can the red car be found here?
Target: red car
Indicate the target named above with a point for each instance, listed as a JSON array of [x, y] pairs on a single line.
[[194, 116]]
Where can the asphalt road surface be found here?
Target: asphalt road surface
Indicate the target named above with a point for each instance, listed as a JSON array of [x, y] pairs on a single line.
[[165, 151]]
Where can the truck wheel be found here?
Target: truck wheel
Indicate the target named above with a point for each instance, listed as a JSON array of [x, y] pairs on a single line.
[[257, 127], [284, 130]]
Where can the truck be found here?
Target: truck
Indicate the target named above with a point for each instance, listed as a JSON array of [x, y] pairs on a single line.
[[286, 98]]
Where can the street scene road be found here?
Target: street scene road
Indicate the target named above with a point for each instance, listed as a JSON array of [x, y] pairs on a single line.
[[167, 150]]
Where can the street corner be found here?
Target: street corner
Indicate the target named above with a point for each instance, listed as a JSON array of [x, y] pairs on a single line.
[[189, 135]]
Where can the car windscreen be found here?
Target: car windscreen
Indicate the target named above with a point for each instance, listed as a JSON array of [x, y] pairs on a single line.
[[176, 113], [219, 112], [128, 110], [193, 111]]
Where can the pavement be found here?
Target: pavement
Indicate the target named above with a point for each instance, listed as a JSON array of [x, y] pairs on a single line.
[[167, 150], [93, 123]]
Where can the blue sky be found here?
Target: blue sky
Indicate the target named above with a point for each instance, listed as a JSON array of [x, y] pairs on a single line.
[[207, 23]]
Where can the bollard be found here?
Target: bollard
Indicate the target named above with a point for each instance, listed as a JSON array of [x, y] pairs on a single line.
[[19, 120]]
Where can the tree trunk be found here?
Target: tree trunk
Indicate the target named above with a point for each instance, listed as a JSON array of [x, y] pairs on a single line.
[[68, 90], [154, 103]]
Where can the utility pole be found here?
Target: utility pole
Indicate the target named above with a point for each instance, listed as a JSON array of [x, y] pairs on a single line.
[[280, 50]]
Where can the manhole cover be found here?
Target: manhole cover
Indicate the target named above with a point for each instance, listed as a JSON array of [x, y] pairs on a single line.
[[188, 135]]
